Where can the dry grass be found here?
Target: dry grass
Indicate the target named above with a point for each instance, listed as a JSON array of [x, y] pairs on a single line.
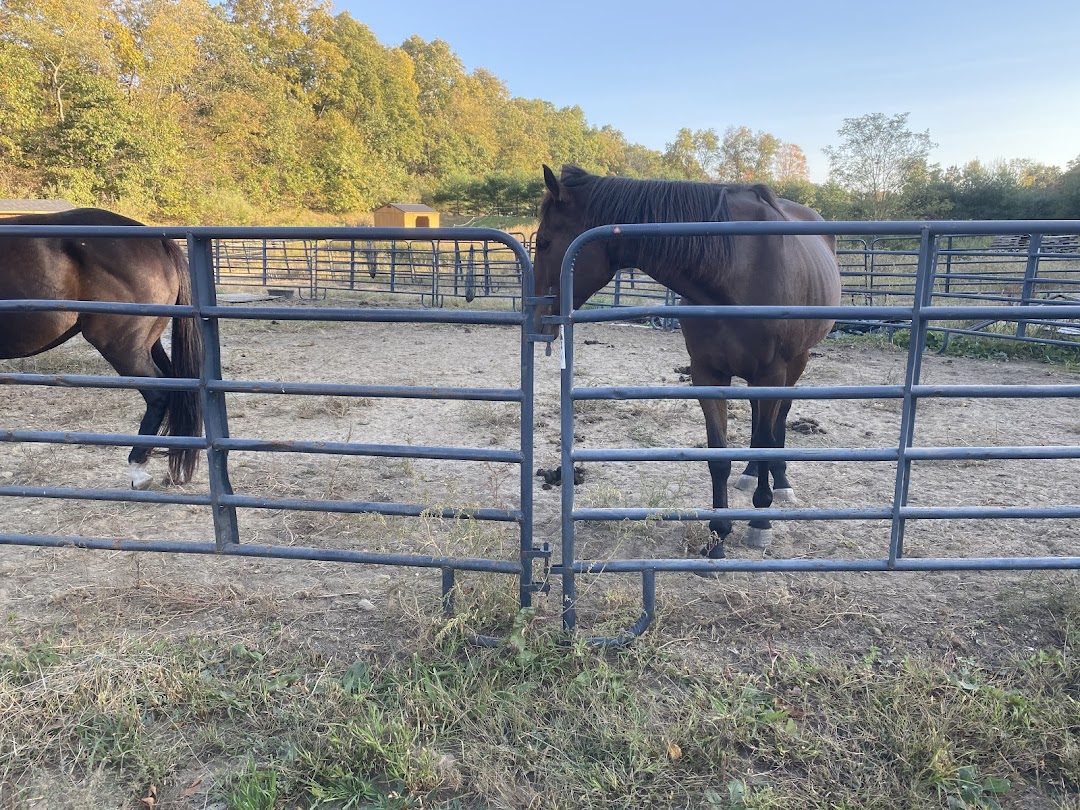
[[256, 723]]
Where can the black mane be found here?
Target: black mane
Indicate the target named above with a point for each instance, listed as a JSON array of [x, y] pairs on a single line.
[[626, 201]]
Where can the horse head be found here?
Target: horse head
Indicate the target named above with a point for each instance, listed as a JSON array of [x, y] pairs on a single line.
[[563, 217]]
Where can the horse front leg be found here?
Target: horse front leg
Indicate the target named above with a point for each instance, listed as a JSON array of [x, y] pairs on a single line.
[[766, 434]]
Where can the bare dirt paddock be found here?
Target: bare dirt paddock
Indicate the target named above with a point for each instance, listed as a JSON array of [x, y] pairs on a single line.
[[342, 612]]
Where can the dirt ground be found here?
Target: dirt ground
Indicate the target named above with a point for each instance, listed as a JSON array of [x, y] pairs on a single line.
[[344, 610]]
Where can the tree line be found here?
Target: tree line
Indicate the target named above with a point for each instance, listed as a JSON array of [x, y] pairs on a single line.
[[187, 110]]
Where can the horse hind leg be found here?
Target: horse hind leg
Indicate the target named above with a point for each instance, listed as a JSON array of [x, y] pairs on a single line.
[[140, 362], [783, 492], [157, 407], [767, 413]]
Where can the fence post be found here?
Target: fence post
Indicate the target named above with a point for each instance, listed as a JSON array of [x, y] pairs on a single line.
[[393, 263], [1031, 270], [435, 274], [215, 415], [924, 288], [457, 266], [948, 266]]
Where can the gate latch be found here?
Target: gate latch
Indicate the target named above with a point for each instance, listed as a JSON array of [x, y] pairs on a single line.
[[541, 552]]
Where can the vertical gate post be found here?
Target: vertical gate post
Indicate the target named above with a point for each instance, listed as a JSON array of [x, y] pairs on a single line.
[[1031, 270], [924, 289], [215, 416], [948, 265], [393, 264], [566, 439], [527, 554]]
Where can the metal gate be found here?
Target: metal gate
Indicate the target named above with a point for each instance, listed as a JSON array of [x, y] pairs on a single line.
[[217, 441], [535, 563], [918, 317]]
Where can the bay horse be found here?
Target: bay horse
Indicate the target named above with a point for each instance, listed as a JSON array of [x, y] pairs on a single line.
[[711, 270], [84, 268]]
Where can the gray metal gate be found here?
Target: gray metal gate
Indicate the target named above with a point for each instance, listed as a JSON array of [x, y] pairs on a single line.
[[217, 442], [918, 316]]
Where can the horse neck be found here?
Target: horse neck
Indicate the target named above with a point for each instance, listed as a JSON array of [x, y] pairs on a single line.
[[679, 279]]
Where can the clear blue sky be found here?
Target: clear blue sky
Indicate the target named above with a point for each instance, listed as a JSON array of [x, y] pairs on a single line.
[[990, 79]]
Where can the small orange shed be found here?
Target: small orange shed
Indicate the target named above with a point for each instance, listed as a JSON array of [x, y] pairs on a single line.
[[406, 215], [14, 208]]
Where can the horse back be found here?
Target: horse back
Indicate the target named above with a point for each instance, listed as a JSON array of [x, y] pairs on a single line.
[[73, 216], [86, 267]]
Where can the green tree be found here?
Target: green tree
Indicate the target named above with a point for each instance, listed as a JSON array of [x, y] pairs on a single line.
[[22, 113], [377, 95], [746, 156], [789, 164], [877, 157], [1068, 187], [66, 37], [693, 155]]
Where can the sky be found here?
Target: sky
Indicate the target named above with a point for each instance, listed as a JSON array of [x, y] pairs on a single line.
[[989, 80]]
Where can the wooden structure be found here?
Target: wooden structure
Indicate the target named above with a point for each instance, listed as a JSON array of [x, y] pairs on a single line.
[[14, 208], [406, 215]]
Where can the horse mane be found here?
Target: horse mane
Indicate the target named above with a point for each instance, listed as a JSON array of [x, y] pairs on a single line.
[[626, 201]]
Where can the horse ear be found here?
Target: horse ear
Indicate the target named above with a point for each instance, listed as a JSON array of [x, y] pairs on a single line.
[[552, 183]]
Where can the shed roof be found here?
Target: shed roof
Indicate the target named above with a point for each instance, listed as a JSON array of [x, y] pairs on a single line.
[[411, 207], [34, 206]]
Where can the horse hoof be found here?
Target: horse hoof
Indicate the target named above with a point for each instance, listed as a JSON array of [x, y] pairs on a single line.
[[140, 478], [758, 538], [714, 549], [747, 483], [785, 496]]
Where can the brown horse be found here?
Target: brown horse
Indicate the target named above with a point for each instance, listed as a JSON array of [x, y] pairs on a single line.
[[148, 271], [740, 270]]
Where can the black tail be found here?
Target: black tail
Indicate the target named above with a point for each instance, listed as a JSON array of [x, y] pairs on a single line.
[[184, 415]]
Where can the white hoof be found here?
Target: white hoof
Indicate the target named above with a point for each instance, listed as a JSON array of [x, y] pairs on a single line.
[[747, 483], [785, 496], [758, 538], [140, 478]]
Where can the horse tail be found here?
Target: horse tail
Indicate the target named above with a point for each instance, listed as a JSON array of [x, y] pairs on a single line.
[[184, 414]]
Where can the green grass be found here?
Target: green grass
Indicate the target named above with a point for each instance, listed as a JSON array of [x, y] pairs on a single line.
[[990, 347], [542, 723]]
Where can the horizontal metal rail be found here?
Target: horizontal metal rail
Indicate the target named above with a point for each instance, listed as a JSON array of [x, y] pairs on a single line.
[[822, 566], [1018, 391], [853, 513], [261, 551], [824, 453], [265, 387]]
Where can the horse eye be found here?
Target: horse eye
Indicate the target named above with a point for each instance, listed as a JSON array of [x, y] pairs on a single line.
[[543, 244]]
